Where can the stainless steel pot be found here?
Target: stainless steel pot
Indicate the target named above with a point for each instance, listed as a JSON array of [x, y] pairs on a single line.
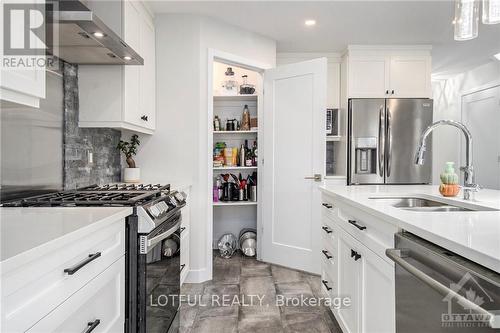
[[227, 245], [248, 242]]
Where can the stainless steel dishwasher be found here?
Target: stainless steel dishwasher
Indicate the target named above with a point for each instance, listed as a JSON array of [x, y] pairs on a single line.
[[440, 291]]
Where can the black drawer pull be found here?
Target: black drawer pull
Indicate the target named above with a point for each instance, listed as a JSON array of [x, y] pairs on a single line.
[[80, 265], [327, 230], [355, 255], [354, 223], [182, 267], [182, 229], [327, 205], [92, 325], [325, 252], [325, 283], [145, 118]]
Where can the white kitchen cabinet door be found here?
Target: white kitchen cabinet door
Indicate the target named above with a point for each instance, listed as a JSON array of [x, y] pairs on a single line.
[[132, 74], [368, 76], [350, 268], [147, 88], [294, 150], [378, 299], [100, 303], [410, 77]]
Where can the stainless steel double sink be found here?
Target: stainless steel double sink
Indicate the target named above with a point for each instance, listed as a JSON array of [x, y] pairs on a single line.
[[427, 205]]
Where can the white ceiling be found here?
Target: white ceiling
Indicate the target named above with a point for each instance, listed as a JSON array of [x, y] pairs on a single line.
[[340, 23]]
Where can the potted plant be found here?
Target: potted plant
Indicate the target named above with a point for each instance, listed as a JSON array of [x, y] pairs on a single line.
[[132, 174]]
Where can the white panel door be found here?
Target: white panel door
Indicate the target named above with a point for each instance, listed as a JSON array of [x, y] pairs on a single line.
[[481, 114], [294, 149], [410, 77]]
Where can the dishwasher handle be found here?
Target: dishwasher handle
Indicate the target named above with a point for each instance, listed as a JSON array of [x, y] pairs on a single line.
[[398, 256]]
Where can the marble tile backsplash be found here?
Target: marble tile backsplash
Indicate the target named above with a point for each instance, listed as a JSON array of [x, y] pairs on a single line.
[[90, 154]]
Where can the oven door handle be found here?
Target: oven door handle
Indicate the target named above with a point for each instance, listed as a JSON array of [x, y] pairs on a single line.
[[398, 255], [150, 242]]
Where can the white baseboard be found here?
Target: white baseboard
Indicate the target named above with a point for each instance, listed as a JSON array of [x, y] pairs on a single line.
[[197, 276]]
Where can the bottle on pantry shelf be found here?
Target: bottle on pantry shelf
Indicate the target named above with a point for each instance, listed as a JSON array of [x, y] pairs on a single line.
[[243, 151], [245, 119], [254, 154], [216, 124], [249, 155]]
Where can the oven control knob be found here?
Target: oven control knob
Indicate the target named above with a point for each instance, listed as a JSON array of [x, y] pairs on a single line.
[[154, 211]]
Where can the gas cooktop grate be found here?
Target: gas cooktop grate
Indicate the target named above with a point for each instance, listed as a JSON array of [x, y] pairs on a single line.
[[95, 195]]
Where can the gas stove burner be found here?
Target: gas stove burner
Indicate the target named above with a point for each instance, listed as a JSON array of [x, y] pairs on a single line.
[[126, 187]]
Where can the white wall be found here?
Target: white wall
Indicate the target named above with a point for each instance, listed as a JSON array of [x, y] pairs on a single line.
[[177, 151], [447, 94]]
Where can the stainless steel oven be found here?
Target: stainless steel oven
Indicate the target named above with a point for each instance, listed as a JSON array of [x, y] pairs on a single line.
[[159, 277], [438, 291]]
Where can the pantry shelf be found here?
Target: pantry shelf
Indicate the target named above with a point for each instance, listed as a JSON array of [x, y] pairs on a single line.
[[333, 138], [236, 168], [236, 98], [236, 132], [235, 203]]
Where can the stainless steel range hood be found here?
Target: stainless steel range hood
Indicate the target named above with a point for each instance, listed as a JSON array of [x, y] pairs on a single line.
[[85, 39]]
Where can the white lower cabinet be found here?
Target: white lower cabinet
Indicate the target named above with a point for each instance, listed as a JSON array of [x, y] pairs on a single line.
[[350, 282], [98, 304], [359, 274]]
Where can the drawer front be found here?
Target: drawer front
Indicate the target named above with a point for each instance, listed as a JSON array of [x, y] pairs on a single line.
[[374, 233], [329, 208], [328, 284], [329, 235], [31, 291], [99, 304]]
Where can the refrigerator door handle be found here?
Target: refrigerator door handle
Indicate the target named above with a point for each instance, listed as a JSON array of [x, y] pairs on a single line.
[[389, 142], [381, 141]]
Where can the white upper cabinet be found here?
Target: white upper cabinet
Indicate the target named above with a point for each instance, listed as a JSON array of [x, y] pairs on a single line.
[[410, 76], [22, 85], [367, 76], [375, 72], [123, 97]]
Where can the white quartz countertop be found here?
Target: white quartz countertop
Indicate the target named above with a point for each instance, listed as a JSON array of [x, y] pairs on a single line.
[[24, 229], [471, 234]]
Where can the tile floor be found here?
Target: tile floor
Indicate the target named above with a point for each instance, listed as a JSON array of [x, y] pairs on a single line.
[[246, 276]]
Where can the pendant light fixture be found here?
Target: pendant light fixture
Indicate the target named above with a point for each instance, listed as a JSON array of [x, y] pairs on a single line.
[[491, 11], [466, 19]]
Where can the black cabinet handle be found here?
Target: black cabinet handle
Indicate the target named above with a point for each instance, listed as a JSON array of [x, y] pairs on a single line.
[[145, 118], [77, 267], [387, 92], [182, 229], [182, 267], [355, 255], [325, 252], [354, 223], [325, 283], [392, 92], [327, 230], [92, 325], [327, 205]]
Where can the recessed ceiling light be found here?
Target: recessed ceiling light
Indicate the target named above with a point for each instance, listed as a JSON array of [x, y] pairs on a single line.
[[127, 58], [497, 56], [310, 23], [98, 34]]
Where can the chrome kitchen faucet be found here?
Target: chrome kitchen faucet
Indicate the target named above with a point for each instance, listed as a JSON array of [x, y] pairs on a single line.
[[469, 185]]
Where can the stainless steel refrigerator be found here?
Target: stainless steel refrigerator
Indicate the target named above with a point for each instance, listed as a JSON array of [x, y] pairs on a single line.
[[383, 135]]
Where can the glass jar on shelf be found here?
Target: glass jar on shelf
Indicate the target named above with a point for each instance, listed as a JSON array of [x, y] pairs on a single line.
[[229, 84]]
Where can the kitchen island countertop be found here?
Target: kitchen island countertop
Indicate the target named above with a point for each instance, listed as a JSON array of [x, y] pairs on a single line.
[[25, 229], [472, 234]]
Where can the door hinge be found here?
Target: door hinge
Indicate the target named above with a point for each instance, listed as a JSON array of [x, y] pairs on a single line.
[[262, 161]]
